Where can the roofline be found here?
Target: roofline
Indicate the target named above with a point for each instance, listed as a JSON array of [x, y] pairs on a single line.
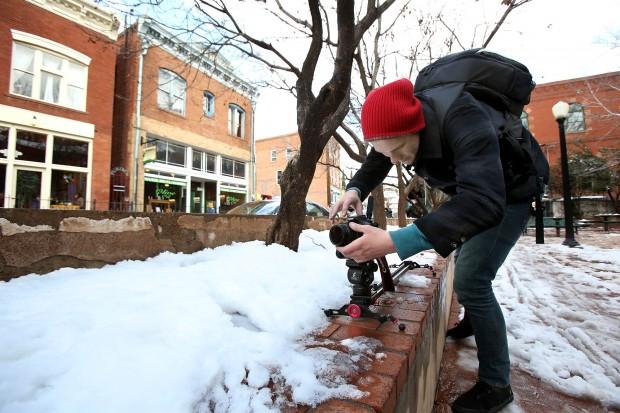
[[579, 79]]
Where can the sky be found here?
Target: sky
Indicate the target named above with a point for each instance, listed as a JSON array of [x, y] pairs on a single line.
[[179, 333], [555, 39]]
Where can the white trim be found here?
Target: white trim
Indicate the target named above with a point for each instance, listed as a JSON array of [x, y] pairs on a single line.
[[50, 45], [23, 117], [85, 13]]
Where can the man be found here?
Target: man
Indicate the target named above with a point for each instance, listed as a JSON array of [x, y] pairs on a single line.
[[462, 158]]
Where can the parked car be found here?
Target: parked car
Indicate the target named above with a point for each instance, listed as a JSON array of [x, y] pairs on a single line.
[[271, 207]]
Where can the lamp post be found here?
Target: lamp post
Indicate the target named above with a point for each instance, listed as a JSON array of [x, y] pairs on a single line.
[[560, 113]]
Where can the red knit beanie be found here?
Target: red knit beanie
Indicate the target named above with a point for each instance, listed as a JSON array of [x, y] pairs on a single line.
[[391, 110]]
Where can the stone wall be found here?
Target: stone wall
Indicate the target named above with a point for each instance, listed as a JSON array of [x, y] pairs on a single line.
[[45, 240]]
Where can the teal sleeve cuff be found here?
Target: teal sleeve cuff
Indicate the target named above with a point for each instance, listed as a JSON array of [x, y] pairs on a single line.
[[409, 241]]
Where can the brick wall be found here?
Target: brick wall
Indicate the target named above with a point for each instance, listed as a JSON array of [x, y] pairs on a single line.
[[266, 169], [23, 16], [602, 130]]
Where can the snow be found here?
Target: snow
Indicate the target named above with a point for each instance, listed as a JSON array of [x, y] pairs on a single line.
[[562, 314], [229, 329]]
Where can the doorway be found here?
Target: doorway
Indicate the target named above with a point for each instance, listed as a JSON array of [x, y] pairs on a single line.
[[28, 188]]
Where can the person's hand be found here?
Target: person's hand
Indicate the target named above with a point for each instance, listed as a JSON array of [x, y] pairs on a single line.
[[350, 199], [374, 243]]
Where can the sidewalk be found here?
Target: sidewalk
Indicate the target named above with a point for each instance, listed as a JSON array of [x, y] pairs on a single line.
[[573, 292], [459, 371]]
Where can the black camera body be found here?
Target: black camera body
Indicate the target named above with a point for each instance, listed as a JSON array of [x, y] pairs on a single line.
[[341, 234]]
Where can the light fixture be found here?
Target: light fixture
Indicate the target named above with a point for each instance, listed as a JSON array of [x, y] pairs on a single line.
[[560, 110]]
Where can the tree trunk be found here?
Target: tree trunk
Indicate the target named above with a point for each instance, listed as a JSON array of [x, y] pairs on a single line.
[[378, 214], [294, 184]]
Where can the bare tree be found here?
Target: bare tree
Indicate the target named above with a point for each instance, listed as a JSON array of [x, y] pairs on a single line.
[[436, 37]]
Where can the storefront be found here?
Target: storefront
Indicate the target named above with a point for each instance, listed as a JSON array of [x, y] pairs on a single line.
[[186, 179], [43, 169]]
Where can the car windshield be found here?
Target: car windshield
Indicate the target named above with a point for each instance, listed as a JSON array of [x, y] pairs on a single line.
[[256, 208]]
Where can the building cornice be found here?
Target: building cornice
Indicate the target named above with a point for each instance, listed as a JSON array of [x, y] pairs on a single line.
[[154, 34], [83, 12]]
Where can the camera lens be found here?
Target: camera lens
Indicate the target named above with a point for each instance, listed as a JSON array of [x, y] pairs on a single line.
[[339, 234]]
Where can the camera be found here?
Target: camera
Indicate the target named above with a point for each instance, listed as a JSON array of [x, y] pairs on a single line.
[[341, 234]]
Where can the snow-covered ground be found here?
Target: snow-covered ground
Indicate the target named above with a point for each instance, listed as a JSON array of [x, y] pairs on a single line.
[[562, 310], [227, 329], [219, 330]]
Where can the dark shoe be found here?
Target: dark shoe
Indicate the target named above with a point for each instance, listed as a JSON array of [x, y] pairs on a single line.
[[462, 330], [483, 398]]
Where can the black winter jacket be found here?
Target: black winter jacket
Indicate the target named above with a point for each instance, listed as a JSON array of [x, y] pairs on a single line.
[[465, 164]]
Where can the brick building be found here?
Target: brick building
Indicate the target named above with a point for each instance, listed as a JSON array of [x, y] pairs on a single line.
[[183, 121], [272, 155], [593, 121], [56, 93]]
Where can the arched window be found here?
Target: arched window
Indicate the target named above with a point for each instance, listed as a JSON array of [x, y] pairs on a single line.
[[236, 121], [575, 122], [171, 91], [208, 105]]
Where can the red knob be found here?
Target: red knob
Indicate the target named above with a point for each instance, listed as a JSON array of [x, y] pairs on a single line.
[[354, 311]]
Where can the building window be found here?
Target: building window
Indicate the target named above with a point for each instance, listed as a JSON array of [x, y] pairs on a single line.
[[575, 122], [208, 104], [211, 162], [236, 121], [289, 153], [170, 153], [231, 167], [48, 76], [525, 119], [171, 92], [68, 188], [278, 176], [203, 161], [197, 159], [70, 152], [4, 142], [30, 146], [274, 155]]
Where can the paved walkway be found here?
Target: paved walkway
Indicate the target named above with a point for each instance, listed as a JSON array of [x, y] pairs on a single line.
[[531, 394]]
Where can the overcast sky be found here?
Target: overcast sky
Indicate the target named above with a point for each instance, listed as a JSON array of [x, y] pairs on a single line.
[[556, 39]]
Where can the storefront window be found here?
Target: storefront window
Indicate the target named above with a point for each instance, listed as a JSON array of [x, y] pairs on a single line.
[[70, 152], [170, 153], [30, 146], [211, 163], [68, 190], [176, 154], [197, 160], [228, 166], [163, 196], [239, 169], [4, 142], [229, 200], [2, 183]]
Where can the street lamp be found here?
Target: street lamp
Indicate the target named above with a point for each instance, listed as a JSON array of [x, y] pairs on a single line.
[[560, 113]]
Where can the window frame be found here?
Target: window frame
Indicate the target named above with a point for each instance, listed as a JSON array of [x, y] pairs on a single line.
[[234, 129], [69, 60], [575, 109], [174, 77], [274, 155], [207, 97]]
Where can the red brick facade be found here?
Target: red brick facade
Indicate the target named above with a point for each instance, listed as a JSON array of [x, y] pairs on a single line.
[[26, 17], [598, 95], [192, 129], [326, 186]]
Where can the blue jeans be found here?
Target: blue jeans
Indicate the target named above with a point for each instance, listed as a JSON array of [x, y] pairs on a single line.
[[477, 262]]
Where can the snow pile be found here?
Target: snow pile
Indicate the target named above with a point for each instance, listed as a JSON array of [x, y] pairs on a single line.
[[219, 330], [563, 316]]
